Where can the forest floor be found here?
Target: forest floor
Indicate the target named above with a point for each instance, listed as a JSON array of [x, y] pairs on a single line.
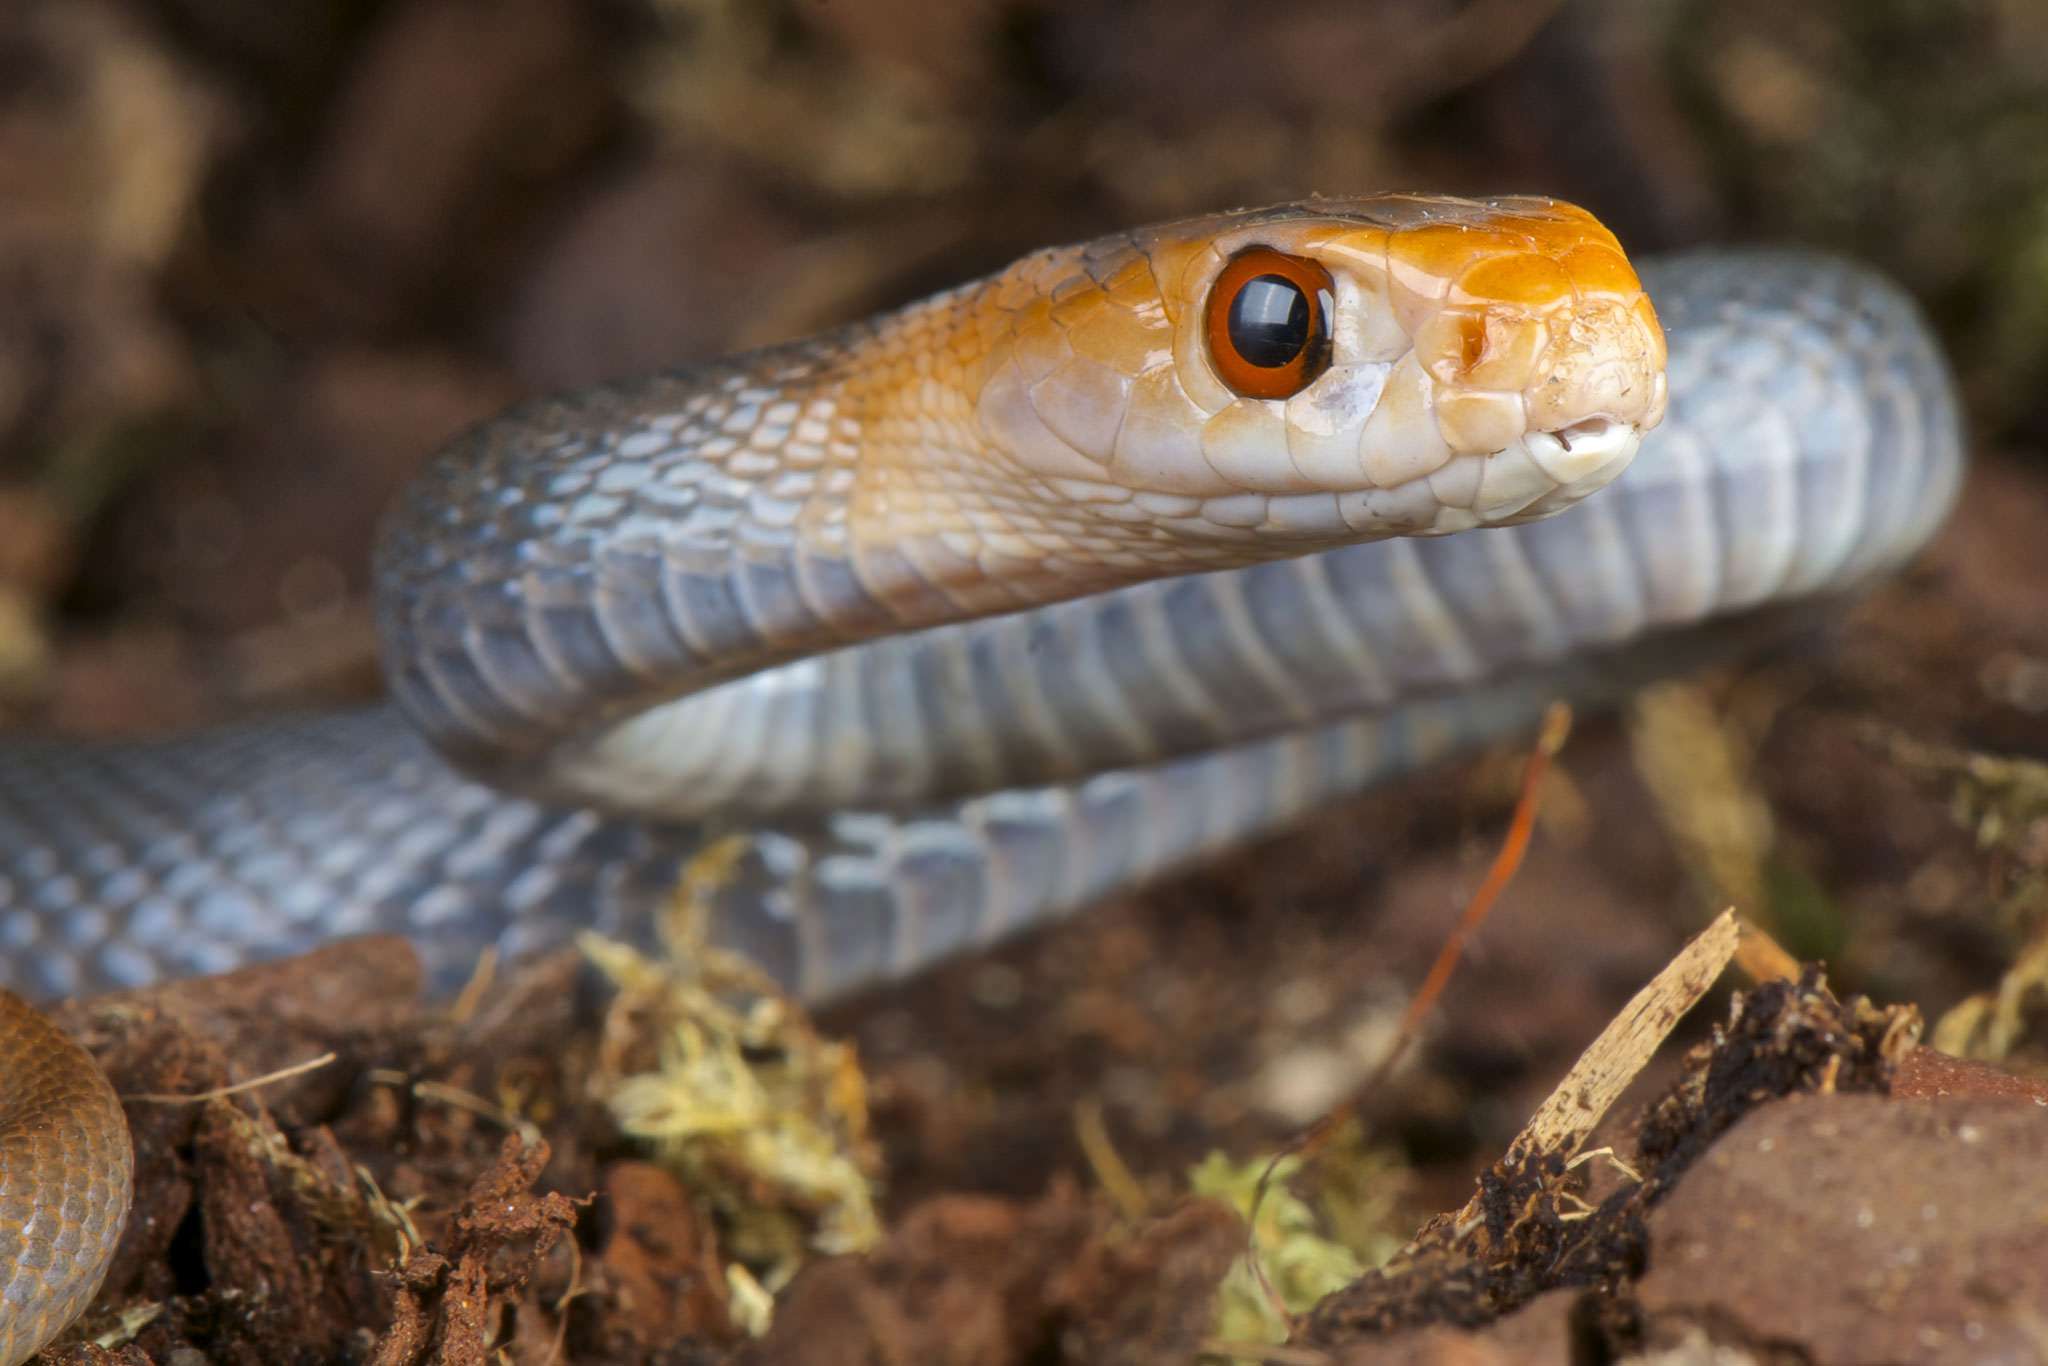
[[1039, 1122]]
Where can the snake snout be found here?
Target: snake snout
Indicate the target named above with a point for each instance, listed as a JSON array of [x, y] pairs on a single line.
[[1606, 360]]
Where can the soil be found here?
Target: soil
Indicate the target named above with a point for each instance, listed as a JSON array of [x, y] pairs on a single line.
[[257, 261]]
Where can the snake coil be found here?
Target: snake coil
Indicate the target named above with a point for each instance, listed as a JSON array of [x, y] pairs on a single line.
[[891, 601]]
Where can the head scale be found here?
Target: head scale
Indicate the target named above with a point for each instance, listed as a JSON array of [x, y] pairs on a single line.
[[1459, 363]]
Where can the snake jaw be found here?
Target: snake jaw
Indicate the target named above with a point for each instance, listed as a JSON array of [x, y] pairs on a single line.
[[1578, 460]]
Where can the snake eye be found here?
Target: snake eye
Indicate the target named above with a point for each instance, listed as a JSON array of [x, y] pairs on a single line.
[[1268, 322]]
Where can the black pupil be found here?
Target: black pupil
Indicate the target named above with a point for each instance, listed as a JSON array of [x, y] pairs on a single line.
[[1269, 321]]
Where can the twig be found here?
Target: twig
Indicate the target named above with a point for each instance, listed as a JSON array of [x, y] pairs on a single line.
[[1557, 725], [1762, 958], [1580, 1101], [1265, 1353], [1112, 1173], [478, 985], [475, 1104], [222, 1092]]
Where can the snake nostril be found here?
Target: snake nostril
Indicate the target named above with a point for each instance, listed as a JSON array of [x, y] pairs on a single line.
[[1472, 342]]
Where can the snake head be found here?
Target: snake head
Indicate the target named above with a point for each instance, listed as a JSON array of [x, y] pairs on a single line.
[[1331, 370]]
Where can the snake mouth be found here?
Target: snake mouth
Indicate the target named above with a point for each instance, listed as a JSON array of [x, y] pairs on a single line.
[[1572, 454], [1546, 471]]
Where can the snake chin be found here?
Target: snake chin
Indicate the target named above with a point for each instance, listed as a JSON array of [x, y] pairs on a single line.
[[1577, 460], [1596, 449], [1538, 473]]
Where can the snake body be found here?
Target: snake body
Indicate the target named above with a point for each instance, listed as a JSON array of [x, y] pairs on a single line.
[[903, 604]]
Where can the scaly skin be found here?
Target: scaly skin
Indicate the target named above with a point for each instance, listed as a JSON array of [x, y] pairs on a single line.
[[556, 580], [66, 1178], [1054, 431]]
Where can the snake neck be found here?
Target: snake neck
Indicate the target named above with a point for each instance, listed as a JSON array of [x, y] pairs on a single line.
[[587, 556]]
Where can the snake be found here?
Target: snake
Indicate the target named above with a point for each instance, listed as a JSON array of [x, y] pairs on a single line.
[[963, 616]]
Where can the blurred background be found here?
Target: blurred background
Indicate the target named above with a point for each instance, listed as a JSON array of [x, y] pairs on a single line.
[[258, 259]]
